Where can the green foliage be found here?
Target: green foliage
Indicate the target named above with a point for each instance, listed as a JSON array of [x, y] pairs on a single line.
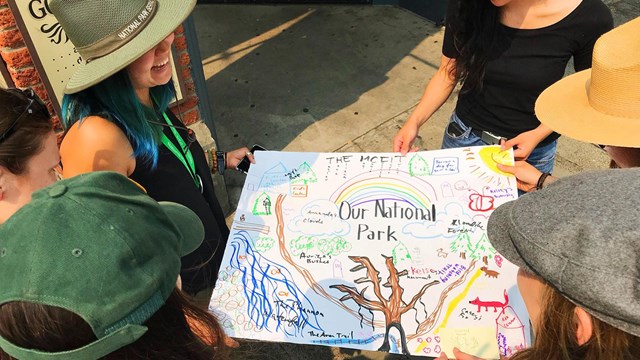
[[333, 246], [263, 243], [301, 244]]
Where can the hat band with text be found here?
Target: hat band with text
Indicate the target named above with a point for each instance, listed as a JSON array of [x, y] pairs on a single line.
[[121, 36]]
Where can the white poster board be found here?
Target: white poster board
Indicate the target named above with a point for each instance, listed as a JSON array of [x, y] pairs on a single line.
[[373, 251]]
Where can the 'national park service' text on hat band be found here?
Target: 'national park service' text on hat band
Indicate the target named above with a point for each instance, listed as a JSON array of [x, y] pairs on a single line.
[[112, 38]]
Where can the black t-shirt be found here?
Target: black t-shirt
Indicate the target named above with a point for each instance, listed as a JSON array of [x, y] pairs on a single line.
[[170, 181], [524, 63]]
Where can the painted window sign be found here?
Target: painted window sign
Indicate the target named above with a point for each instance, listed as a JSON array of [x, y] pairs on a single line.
[[373, 251]]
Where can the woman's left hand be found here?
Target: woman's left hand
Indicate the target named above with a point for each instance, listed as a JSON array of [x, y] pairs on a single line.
[[234, 157], [526, 174], [526, 142], [458, 355]]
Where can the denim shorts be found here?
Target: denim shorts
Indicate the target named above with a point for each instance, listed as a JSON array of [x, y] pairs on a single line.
[[542, 157]]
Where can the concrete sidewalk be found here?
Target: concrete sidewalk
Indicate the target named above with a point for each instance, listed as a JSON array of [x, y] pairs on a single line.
[[329, 78]]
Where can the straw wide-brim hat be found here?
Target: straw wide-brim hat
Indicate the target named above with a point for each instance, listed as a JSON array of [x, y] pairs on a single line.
[[111, 34], [600, 105]]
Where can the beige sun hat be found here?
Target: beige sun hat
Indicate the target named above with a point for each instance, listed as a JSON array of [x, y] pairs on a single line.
[[600, 105], [111, 34]]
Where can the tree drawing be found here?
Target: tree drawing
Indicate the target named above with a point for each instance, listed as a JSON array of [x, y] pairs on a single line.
[[483, 250], [262, 206], [418, 166], [461, 244], [400, 253], [392, 308], [307, 175]]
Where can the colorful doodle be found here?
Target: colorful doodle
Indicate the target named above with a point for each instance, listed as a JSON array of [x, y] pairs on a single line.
[[370, 251]]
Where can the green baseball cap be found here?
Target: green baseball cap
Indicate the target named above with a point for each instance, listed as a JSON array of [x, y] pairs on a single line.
[[98, 246]]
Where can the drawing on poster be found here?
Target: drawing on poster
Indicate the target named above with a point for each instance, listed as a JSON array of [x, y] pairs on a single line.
[[372, 251]]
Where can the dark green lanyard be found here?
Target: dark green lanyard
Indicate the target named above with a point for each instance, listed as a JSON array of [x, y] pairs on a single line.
[[185, 157]]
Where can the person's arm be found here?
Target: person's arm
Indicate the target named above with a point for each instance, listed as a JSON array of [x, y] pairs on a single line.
[[527, 176], [233, 158], [435, 94], [459, 355], [526, 142], [96, 144], [218, 160]]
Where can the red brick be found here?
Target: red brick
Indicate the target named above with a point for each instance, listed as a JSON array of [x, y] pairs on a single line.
[[41, 91], [189, 87], [191, 117], [180, 43], [186, 73], [3, 2], [17, 58], [11, 38], [26, 77], [189, 103], [50, 108], [6, 19], [57, 127], [185, 59]]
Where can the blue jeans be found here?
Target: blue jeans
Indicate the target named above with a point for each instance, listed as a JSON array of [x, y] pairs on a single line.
[[542, 157]]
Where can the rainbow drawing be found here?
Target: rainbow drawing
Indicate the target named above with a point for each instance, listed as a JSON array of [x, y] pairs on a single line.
[[364, 188]]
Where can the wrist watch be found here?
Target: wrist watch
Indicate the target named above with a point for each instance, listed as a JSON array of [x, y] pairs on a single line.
[[221, 157]]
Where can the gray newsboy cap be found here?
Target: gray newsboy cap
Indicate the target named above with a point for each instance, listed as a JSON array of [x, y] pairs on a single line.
[[582, 235]]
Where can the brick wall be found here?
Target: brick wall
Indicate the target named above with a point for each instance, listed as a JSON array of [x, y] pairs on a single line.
[[189, 104], [17, 59], [24, 74]]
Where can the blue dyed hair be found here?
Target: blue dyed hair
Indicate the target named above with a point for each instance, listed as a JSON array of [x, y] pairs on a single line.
[[115, 100]]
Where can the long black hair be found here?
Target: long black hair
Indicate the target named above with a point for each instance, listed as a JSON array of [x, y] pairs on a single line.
[[475, 34]]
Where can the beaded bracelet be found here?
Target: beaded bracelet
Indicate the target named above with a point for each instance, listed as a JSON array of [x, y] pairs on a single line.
[[541, 180], [213, 162]]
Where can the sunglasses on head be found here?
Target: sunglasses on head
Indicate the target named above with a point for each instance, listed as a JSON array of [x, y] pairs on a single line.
[[35, 105]]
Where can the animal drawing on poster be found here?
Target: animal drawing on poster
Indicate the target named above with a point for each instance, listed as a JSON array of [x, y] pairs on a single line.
[[489, 273], [392, 308], [490, 304]]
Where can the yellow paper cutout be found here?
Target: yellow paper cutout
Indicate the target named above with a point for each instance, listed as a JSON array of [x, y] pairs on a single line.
[[480, 342], [491, 155]]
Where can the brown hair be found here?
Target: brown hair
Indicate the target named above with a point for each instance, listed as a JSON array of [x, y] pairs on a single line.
[[24, 138], [556, 336], [633, 155], [179, 330]]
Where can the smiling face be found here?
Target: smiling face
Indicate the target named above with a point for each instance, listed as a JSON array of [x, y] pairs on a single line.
[[151, 69]]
